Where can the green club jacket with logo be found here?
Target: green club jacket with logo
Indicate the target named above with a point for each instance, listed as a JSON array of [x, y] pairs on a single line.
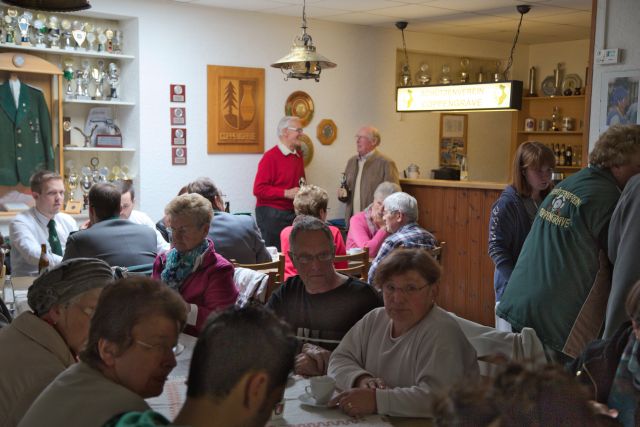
[[25, 135]]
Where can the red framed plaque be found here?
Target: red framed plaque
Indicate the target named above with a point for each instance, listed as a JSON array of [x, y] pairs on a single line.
[[178, 155], [178, 136], [178, 116], [178, 93]]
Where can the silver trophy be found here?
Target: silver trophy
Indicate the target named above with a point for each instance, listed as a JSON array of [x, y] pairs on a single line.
[[114, 81], [67, 43], [41, 30], [68, 76], [54, 32], [102, 39], [117, 42], [24, 23], [445, 75], [11, 24], [91, 36], [86, 182], [464, 70], [82, 81], [98, 75], [423, 76]]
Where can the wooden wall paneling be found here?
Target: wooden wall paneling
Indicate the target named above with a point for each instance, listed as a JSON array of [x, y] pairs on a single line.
[[448, 227], [461, 265], [476, 250]]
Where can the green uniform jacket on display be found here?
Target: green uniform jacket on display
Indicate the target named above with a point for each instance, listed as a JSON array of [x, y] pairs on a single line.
[[561, 282], [25, 135]]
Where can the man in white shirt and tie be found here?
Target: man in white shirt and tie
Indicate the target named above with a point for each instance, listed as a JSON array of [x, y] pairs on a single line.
[[42, 224]]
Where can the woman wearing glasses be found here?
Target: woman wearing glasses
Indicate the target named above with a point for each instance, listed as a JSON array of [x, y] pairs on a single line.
[[39, 345], [192, 267], [513, 213], [397, 358]]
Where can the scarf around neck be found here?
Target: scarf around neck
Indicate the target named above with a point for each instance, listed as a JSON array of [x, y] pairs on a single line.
[[179, 266]]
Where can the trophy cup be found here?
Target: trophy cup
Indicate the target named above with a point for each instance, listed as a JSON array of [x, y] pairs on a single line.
[[124, 173], [497, 75], [114, 80], [67, 44], [464, 70], [11, 22], [87, 138], [102, 39], [445, 77], [24, 22], [68, 76], [98, 75], [82, 81], [103, 173], [109, 35], [79, 35], [117, 42], [423, 77], [41, 30], [115, 173], [86, 182], [54, 32]]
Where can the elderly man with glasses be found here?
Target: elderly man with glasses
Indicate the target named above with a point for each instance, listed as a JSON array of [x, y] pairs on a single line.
[[319, 303], [400, 216], [277, 181]]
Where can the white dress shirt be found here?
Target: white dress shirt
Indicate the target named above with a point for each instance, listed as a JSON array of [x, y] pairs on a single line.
[[142, 218], [28, 231]]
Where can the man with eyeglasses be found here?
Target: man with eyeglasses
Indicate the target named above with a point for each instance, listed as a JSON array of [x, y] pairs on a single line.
[[119, 242], [319, 303], [278, 180], [400, 216], [365, 171], [127, 358]]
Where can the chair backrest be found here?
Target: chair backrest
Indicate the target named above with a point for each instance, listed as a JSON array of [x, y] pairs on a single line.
[[358, 264], [274, 269]]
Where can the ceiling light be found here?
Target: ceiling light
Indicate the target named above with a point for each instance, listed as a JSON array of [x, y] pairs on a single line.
[[303, 62], [405, 73], [50, 5]]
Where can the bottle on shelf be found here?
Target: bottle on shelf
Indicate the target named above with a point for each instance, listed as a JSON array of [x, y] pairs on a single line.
[[556, 153], [555, 119], [568, 156], [464, 171], [44, 261], [563, 158]]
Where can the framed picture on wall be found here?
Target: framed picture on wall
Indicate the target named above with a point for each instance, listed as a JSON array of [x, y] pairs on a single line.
[[619, 98], [235, 109], [453, 138]]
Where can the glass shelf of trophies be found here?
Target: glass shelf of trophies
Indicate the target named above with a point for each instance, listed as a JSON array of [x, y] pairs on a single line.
[[74, 52], [102, 149], [98, 102]]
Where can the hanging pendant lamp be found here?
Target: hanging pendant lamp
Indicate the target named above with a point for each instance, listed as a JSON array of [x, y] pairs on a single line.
[[50, 5]]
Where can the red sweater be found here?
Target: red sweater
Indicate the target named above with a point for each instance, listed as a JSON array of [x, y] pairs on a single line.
[[276, 173], [290, 270]]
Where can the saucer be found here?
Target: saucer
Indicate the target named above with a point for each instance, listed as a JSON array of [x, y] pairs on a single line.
[[307, 399]]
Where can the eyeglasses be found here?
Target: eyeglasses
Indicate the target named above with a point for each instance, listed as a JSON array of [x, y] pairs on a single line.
[[389, 289], [180, 230], [307, 259], [159, 348], [299, 130]]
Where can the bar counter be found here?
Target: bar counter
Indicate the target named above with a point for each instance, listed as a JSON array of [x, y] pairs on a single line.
[[457, 212]]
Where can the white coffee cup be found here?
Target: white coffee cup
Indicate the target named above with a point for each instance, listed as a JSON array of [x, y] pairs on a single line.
[[321, 389]]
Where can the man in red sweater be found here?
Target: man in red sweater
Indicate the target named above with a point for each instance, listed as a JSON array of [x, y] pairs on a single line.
[[278, 181]]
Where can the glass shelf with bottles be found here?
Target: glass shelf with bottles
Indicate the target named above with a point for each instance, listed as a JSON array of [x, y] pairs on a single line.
[[567, 157]]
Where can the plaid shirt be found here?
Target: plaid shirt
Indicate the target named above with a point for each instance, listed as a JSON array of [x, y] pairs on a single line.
[[408, 236]]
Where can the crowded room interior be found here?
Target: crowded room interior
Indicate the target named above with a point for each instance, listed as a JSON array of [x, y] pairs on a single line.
[[319, 212]]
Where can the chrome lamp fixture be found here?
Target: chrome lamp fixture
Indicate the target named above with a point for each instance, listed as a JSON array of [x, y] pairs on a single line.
[[405, 73], [303, 62], [50, 5]]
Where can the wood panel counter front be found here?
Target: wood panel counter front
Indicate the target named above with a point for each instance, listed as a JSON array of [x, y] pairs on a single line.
[[457, 212]]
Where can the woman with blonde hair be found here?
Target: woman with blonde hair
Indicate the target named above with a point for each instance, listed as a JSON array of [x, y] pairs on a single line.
[[513, 213]]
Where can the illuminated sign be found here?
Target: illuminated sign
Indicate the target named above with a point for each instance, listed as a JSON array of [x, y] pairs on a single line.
[[461, 97]]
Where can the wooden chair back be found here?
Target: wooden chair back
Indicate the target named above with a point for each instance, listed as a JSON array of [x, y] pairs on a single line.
[[436, 252], [274, 269], [358, 264]]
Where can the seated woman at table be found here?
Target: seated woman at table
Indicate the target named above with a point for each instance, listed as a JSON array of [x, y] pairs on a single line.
[[192, 267], [38, 345], [366, 228], [311, 200], [397, 358]]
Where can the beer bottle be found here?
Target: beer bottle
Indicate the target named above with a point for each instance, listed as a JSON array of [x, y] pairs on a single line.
[[44, 261], [343, 191]]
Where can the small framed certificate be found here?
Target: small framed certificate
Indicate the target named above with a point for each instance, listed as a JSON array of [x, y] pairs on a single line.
[[178, 116], [178, 155], [178, 93], [178, 136]]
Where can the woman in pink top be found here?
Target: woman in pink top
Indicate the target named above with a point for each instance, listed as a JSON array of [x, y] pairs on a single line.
[[366, 228], [311, 200]]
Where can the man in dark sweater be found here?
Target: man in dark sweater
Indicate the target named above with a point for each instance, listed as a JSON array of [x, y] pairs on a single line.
[[320, 303]]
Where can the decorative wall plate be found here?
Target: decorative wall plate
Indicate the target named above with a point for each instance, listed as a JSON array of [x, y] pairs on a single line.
[[327, 132], [549, 86], [571, 81], [299, 104], [307, 149]]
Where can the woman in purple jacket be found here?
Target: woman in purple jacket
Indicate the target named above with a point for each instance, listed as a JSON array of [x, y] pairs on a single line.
[[514, 211]]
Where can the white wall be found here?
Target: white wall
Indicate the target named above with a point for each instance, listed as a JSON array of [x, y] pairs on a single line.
[[177, 42], [616, 27]]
